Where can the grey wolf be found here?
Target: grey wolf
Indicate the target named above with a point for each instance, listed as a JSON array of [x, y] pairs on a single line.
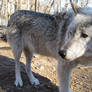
[[66, 36]]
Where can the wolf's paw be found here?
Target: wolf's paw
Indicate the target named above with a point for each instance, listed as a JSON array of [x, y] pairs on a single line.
[[70, 91], [35, 82], [18, 82]]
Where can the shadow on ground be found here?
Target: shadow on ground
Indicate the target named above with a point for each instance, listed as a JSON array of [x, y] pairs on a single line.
[[7, 78]]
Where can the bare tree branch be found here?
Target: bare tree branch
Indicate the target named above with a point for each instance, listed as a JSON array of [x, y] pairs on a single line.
[[87, 2], [51, 6], [74, 6], [35, 5], [1, 5]]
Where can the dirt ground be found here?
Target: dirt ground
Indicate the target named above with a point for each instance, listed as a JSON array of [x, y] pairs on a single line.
[[44, 69]]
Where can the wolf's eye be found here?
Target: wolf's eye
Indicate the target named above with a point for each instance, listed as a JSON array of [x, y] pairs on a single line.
[[84, 35]]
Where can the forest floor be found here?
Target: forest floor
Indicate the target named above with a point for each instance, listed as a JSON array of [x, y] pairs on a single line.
[[44, 69]]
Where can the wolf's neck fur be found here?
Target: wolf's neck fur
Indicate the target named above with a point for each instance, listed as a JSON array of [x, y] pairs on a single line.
[[65, 21]]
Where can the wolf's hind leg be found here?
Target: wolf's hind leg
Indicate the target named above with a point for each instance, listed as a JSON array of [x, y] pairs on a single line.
[[17, 53], [16, 46], [18, 80], [31, 77]]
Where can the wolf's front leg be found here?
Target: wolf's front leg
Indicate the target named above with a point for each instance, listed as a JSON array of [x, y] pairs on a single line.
[[64, 71], [18, 81]]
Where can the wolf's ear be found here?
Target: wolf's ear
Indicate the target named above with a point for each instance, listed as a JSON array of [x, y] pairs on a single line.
[[60, 16], [74, 7]]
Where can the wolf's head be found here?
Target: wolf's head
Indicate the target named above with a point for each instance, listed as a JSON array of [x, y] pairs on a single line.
[[78, 39]]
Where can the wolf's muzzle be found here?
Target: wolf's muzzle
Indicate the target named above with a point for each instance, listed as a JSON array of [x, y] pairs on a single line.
[[62, 53]]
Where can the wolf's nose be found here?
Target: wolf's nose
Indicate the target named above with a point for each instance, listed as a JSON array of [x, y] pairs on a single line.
[[62, 53]]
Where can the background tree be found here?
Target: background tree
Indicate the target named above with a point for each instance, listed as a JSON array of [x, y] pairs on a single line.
[[7, 7]]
